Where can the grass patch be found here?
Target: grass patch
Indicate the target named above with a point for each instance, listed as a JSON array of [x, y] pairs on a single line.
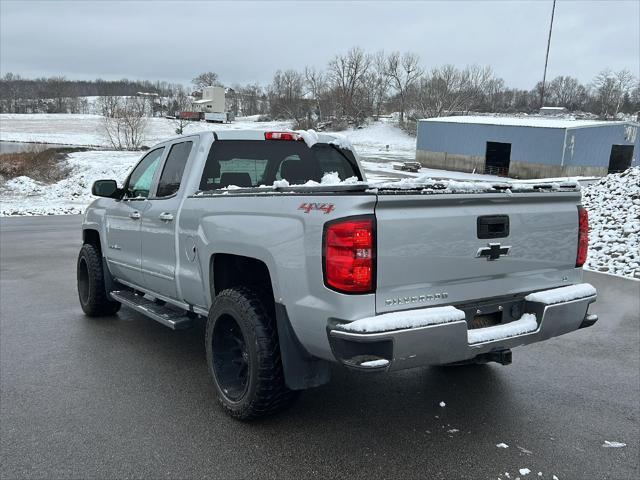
[[39, 163]]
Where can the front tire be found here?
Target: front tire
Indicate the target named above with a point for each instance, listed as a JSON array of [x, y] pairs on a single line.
[[243, 355], [91, 288]]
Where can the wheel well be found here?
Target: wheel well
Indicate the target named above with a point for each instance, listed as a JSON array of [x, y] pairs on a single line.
[[235, 270], [92, 237]]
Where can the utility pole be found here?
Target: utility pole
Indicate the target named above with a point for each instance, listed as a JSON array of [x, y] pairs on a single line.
[[546, 58]]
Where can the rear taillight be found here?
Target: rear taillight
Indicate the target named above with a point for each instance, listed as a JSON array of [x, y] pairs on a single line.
[[349, 255], [583, 236], [292, 136]]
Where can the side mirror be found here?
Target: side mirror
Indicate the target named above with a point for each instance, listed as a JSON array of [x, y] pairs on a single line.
[[105, 188]]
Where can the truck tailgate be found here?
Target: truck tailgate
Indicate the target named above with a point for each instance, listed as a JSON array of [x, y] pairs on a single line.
[[434, 250]]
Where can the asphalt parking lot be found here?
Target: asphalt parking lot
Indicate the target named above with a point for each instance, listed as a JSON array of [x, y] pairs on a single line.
[[125, 397]]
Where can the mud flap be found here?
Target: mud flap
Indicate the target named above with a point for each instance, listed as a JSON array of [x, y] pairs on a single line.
[[301, 369], [109, 284]]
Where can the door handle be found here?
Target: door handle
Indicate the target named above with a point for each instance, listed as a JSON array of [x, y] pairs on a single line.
[[166, 216], [134, 215]]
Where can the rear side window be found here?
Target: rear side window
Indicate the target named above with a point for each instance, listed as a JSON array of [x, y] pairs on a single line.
[[173, 170], [251, 163], [332, 160]]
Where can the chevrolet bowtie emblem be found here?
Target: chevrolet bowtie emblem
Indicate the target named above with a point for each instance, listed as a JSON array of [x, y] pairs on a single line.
[[493, 252]]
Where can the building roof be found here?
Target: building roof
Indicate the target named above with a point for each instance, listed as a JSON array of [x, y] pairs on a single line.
[[539, 122]]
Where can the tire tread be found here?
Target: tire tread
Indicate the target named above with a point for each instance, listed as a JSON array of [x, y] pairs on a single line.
[[271, 393], [99, 304]]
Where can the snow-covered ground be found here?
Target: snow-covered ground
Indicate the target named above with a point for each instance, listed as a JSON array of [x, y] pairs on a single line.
[[86, 130], [613, 204], [24, 196]]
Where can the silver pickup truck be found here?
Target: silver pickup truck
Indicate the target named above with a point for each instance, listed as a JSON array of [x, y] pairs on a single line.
[[296, 261]]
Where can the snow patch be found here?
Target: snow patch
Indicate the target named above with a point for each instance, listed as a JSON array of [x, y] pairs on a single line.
[[341, 141], [310, 137], [332, 178], [524, 471], [526, 324], [382, 362], [405, 319], [71, 195], [523, 121], [502, 445], [613, 204], [562, 294], [430, 185], [609, 444], [442, 404]]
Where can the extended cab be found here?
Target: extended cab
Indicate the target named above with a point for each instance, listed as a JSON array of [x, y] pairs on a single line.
[[296, 261]]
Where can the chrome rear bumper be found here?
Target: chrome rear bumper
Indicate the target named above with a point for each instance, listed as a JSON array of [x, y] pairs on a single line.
[[448, 342]]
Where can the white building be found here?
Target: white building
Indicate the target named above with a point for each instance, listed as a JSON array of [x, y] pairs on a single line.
[[212, 101]]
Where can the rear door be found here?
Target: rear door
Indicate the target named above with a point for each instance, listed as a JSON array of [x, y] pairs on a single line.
[[123, 220], [434, 249], [158, 230]]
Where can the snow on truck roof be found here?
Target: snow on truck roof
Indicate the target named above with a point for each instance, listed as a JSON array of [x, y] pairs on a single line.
[[538, 122]]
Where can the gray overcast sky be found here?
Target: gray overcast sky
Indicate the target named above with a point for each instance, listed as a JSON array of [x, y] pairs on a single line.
[[249, 41]]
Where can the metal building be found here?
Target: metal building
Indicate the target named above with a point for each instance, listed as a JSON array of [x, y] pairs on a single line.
[[527, 147]]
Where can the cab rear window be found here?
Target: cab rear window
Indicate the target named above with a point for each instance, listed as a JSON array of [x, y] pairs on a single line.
[[251, 163]]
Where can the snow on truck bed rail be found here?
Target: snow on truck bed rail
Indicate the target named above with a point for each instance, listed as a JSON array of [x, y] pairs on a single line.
[[427, 184], [422, 185]]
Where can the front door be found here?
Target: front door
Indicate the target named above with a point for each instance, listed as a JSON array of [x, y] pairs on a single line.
[[159, 223], [124, 217], [123, 239]]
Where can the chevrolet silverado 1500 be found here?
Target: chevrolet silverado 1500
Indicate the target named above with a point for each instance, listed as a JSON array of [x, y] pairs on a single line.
[[295, 261]]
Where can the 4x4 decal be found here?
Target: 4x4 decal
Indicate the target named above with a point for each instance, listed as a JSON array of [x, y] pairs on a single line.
[[323, 207]]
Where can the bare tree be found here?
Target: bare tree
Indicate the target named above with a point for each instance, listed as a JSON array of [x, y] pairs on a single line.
[[286, 95], [124, 122], [495, 95], [611, 89], [346, 73], [475, 84], [625, 81], [181, 103], [380, 82], [316, 83], [251, 96], [403, 72], [440, 91], [206, 79], [565, 91], [59, 90]]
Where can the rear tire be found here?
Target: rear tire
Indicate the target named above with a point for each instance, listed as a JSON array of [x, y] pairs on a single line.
[[243, 355], [91, 286]]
